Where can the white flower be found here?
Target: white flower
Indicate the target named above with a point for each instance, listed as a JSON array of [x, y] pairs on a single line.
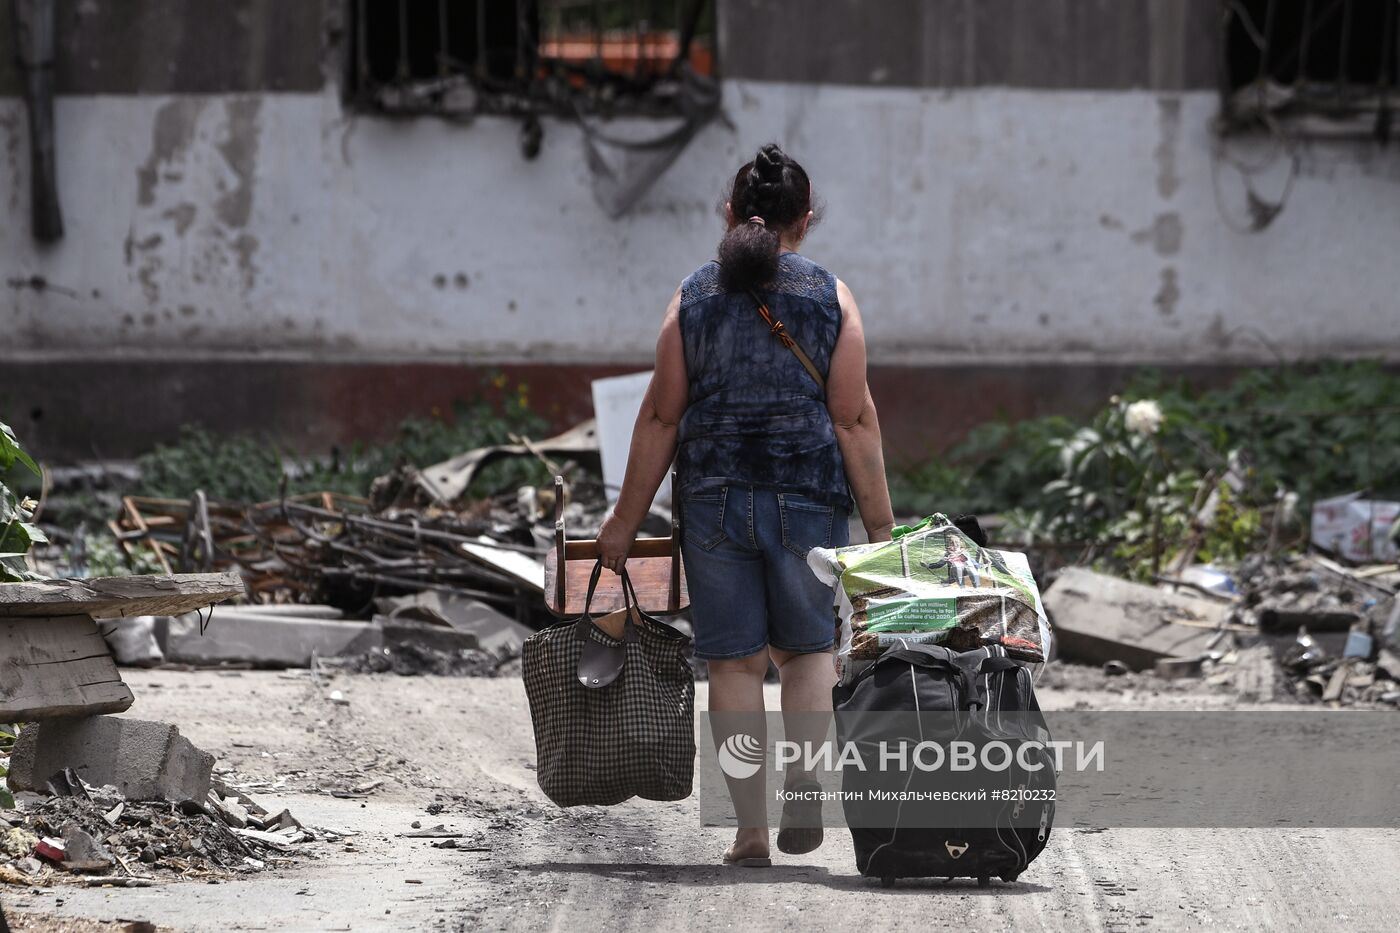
[[1143, 417]]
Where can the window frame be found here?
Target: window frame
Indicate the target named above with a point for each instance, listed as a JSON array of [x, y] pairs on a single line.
[[540, 85]]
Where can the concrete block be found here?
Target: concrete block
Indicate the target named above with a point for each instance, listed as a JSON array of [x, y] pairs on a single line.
[[401, 631], [1098, 618], [265, 640], [1256, 674], [493, 630], [145, 760], [496, 631]]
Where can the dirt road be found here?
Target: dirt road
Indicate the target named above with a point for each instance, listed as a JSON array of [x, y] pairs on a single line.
[[465, 745]]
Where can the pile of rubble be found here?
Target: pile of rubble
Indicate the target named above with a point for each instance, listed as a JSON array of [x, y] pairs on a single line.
[[422, 575], [409, 659], [1333, 628], [96, 836], [1315, 592], [427, 632], [417, 578], [1299, 627], [416, 531]]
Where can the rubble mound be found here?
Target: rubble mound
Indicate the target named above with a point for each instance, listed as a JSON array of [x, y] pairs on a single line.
[[411, 659], [94, 835]]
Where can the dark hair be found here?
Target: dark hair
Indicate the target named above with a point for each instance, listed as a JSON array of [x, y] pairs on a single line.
[[774, 187]]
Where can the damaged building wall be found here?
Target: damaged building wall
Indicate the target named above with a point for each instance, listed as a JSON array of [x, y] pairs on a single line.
[[997, 208], [976, 227]]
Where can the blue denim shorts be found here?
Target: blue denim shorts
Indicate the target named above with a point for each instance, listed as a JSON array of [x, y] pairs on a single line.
[[745, 554]]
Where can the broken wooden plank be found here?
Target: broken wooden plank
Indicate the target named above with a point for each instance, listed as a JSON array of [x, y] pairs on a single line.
[[116, 597], [1098, 618], [57, 666], [129, 505], [1338, 682]]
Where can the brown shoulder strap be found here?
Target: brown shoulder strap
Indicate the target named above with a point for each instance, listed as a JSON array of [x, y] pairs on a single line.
[[777, 329]]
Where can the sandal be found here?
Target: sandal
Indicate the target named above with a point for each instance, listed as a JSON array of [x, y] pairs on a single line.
[[753, 861], [800, 829]]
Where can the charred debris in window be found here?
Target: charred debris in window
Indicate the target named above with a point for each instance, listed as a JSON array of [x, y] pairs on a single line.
[[526, 58], [1312, 68]]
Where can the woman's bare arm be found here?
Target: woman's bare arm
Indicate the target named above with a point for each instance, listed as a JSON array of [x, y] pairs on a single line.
[[653, 441], [857, 425]]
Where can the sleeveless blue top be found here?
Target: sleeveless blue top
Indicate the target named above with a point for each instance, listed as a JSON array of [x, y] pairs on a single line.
[[755, 416]]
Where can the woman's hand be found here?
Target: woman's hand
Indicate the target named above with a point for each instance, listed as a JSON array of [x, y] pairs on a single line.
[[882, 533], [615, 542]]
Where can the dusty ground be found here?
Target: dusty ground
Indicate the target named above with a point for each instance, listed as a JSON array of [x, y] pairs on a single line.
[[466, 745]]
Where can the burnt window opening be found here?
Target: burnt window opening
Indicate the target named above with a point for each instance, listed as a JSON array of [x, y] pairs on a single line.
[[527, 57], [1311, 67]]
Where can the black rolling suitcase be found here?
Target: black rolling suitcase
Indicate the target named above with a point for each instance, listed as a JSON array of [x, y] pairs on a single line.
[[976, 695]]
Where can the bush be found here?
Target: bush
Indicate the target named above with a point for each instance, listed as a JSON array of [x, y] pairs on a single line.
[[17, 533], [1130, 483]]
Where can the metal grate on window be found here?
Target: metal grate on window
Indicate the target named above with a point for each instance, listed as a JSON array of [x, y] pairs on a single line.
[[1314, 67], [527, 57]]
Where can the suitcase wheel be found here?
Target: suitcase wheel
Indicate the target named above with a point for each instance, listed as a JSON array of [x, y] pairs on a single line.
[[1010, 876], [984, 881], [887, 881]]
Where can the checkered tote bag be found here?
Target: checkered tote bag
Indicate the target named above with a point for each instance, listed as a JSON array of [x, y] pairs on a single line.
[[613, 719]]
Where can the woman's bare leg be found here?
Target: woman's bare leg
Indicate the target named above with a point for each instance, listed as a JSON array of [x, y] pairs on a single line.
[[807, 680], [736, 706]]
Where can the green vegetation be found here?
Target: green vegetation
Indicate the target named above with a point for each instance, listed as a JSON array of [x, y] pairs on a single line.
[[1129, 484], [243, 468], [7, 742], [17, 533]]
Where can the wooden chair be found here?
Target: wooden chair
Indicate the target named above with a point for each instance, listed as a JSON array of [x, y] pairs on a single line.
[[654, 564]]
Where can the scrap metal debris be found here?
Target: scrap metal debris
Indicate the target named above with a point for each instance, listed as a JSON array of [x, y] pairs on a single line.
[[445, 483], [416, 532], [417, 578]]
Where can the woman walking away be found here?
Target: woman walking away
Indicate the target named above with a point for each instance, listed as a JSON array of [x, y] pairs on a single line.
[[759, 394]]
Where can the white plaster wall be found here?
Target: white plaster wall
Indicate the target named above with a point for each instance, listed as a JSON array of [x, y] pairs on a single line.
[[974, 226]]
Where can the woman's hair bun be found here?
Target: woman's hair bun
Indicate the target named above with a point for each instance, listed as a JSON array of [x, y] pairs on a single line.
[[776, 190], [768, 165]]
